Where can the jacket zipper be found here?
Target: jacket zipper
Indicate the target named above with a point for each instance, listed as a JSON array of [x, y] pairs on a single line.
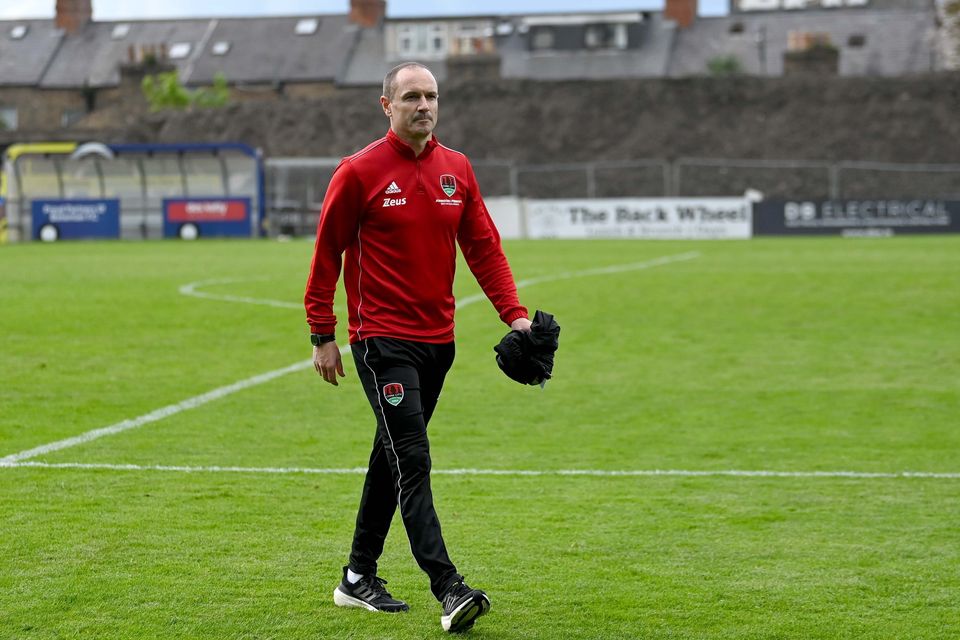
[[420, 187]]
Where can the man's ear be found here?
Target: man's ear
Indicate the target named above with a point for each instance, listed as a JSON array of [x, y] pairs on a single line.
[[385, 103]]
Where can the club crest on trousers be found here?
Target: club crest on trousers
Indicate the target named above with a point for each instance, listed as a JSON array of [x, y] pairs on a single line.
[[393, 393]]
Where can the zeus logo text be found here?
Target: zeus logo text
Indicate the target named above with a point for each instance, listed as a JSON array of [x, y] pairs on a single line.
[[394, 202]]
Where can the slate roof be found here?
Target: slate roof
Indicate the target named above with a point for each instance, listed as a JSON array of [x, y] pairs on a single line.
[[897, 42], [261, 50], [367, 61], [24, 60], [266, 49], [91, 56]]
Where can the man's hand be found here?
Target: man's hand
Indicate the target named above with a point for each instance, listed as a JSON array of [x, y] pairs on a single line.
[[521, 324], [326, 360]]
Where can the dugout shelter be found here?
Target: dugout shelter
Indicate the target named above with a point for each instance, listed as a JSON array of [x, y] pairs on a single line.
[[66, 190]]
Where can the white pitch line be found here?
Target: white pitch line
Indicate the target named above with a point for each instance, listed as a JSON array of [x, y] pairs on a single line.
[[159, 414], [190, 289], [216, 394], [604, 473]]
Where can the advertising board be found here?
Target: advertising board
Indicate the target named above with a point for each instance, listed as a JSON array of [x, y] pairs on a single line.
[[644, 218], [75, 219], [189, 218], [855, 217]]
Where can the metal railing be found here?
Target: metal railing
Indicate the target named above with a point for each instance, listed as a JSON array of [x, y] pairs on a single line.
[[296, 186]]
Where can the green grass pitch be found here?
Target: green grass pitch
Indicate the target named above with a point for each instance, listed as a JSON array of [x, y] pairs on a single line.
[[777, 355]]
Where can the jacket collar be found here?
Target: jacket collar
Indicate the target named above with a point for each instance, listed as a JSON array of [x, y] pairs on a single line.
[[406, 150]]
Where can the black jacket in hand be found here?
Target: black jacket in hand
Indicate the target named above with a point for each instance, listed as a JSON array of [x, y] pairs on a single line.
[[527, 357]]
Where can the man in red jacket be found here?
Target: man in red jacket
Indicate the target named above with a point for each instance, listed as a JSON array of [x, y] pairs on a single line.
[[392, 218]]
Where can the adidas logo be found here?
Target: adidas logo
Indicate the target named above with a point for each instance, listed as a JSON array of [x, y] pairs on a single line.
[[393, 188]]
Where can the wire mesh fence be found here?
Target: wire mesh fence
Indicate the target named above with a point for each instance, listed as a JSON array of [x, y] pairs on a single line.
[[296, 186]]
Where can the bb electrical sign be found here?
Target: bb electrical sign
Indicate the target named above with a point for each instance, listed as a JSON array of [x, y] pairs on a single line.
[[646, 218], [856, 217], [190, 218], [75, 219]]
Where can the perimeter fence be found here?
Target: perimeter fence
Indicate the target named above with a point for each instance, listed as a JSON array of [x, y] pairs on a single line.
[[296, 186]]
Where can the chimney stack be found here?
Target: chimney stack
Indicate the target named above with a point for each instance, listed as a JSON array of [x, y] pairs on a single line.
[[367, 13], [73, 14], [683, 12]]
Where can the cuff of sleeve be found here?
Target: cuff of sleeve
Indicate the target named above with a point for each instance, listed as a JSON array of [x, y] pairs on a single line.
[[323, 328], [513, 315]]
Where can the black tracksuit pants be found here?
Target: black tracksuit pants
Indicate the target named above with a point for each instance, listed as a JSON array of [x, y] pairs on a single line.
[[402, 380]]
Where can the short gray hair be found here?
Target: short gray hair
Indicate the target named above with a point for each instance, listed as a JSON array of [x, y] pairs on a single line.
[[390, 80]]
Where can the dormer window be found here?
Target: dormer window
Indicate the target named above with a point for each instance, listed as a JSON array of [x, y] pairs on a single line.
[[605, 36], [541, 39], [17, 32], [120, 31], [306, 26], [427, 41], [220, 48], [179, 50]]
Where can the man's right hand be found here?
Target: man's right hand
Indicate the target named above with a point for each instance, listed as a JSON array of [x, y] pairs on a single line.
[[327, 362]]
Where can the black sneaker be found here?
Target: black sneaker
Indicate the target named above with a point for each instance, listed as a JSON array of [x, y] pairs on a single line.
[[367, 593], [462, 606]]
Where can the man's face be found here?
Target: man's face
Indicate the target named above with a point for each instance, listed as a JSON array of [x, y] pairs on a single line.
[[413, 108]]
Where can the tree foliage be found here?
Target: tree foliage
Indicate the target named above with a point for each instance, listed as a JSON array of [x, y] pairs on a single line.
[[165, 91], [724, 66]]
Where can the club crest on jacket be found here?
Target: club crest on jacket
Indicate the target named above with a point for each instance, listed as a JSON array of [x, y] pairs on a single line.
[[449, 184]]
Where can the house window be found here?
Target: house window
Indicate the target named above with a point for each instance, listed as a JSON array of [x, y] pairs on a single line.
[[438, 36], [8, 118], [594, 36], [541, 39], [71, 116], [405, 40], [620, 36], [220, 48], [306, 27], [472, 38], [856, 40], [120, 31], [17, 32], [179, 50], [605, 36], [422, 40]]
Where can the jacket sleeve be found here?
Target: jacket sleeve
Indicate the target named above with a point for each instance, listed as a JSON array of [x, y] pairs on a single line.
[[337, 228], [480, 243]]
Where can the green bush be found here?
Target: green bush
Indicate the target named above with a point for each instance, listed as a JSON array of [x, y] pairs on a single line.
[[165, 91], [725, 66]]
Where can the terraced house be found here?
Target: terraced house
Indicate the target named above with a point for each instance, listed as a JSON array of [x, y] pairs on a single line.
[[76, 74]]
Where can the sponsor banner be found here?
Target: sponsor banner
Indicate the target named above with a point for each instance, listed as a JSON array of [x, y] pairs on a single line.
[[75, 219], [855, 217], [206, 217], [646, 218]]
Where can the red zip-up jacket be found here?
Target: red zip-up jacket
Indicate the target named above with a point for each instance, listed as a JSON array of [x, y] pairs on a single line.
[[398, 218]]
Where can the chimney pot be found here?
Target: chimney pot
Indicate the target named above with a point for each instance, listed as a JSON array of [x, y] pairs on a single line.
[[683, 12], [367, 13], [72, 15]]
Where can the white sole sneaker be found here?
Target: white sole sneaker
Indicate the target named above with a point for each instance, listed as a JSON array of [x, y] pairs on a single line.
[[463, 617], [343, 600]]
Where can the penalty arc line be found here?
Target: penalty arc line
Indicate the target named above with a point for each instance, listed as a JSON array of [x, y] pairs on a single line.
[[604, 473], [221, 392]]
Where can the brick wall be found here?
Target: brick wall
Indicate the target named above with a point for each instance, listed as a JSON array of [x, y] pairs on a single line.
[[41, 109]]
